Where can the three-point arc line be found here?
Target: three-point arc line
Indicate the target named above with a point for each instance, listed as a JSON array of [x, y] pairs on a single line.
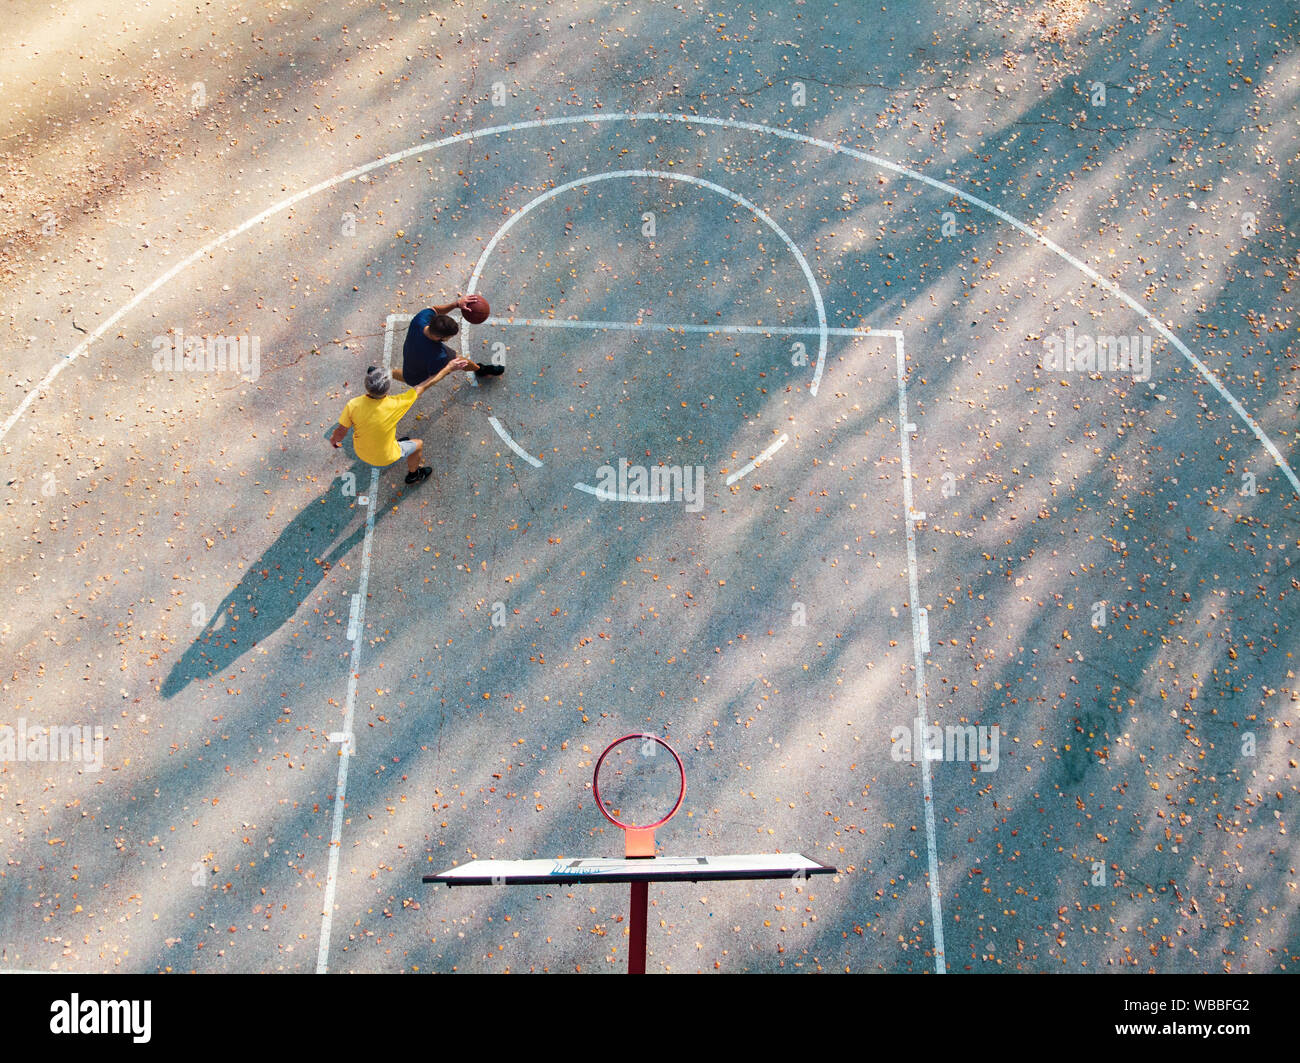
[[596, 119]]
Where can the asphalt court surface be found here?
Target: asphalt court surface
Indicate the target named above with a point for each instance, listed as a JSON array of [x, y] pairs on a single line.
[[1065, 556]]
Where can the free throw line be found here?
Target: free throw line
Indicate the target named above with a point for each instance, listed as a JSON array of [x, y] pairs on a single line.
[[655, 326]]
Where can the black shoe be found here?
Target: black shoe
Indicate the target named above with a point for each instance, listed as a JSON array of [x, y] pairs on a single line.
[[489, 370], [420, 475], [403, 439]]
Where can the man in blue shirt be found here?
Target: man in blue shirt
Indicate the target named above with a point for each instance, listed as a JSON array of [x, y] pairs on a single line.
[[425, 352]]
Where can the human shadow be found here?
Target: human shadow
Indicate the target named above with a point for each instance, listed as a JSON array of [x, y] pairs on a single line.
[[281, 579]]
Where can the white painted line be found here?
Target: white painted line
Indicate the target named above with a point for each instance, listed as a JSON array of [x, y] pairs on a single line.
[[682, 178], [349, 712], [345, 737], [925, 628], [599, 118], [918, 516], [918, 658], [758, 460], [500, 430], [910, 428], [341, 784], [709, 330], [620, 496], [353, 617]]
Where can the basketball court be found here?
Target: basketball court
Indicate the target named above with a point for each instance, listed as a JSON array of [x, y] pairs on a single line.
[[775, 474]]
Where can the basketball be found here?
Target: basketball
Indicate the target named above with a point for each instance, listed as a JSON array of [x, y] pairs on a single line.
[[475, 309]]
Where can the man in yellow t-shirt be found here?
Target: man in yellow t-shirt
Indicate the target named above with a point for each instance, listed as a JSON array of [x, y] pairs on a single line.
[[373, 418]]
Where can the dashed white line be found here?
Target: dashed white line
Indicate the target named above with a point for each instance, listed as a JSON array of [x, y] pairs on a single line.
[[640, 326], [500, 430], [742, 473], [605, 495]]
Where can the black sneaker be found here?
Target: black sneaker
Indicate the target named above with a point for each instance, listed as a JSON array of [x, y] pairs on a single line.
[[489, 370], [420, 475]]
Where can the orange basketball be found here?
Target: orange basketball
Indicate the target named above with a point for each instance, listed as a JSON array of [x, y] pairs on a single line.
[[475, 309]]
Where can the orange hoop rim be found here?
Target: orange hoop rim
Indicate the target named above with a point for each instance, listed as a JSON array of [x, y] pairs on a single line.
[[595, 783]]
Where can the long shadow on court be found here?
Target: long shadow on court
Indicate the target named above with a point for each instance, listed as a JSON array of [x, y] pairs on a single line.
[[277, 583]]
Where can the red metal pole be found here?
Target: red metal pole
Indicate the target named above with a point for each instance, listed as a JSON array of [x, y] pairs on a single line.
[[637, 923]]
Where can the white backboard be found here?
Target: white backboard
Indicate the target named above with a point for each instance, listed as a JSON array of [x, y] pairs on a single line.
[[656, 869]]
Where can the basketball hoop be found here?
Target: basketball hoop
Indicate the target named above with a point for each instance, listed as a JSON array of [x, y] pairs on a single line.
[[639, 786], [638, 838]]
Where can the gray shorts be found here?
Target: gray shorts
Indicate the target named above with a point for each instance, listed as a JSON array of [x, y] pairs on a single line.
[[408, 448]]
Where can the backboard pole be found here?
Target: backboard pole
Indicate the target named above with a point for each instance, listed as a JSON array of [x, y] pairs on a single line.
[[638, 909], [639, 844]]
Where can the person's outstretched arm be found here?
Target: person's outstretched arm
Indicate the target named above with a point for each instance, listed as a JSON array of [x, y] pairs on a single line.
[[450, 367]]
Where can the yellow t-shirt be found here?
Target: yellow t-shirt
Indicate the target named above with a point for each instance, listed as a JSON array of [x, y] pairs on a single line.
[[374, 424]]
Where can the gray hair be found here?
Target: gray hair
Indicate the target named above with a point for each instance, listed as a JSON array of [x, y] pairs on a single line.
[[378, 381]]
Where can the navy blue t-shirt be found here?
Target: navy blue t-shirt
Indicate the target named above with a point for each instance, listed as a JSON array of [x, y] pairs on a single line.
[[421, 356]]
